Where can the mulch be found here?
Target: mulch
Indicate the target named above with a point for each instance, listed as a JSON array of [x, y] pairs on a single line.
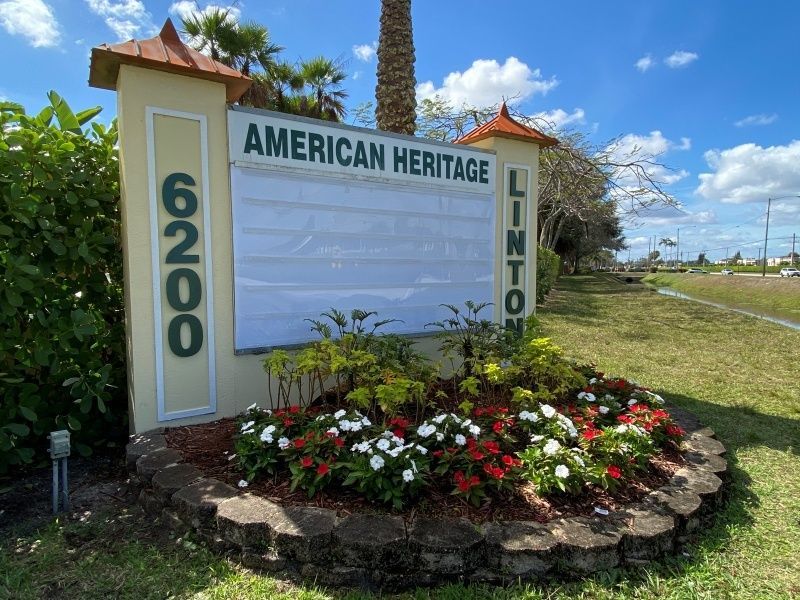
[[210, 448]]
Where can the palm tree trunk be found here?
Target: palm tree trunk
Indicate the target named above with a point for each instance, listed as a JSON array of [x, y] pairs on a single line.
[[395, 92]]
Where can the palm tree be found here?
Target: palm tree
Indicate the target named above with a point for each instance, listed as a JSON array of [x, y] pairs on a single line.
[[395, 92], [247, 46], [667, 243], [209, 30], [324, 79]]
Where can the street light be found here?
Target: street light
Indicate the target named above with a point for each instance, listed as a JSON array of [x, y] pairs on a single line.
[[766, 231], [678, 249]]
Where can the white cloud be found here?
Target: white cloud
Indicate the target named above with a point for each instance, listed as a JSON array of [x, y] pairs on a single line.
[[126, 18], [356, 75], [487, 82], [649, 149], [365, 52], [33, 20], [184, 9], [680, 58], [750, 173], [645, 63], [760, 119], [559, 118]]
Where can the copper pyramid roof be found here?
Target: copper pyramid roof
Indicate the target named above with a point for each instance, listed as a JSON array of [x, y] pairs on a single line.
[[164, 52], [506, 127]]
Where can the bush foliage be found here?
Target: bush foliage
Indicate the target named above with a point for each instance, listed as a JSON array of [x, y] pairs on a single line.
[[548, 268], [61, 307]]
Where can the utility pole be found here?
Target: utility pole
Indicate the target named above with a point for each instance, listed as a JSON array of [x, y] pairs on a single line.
[[791, 259], [766, 236]]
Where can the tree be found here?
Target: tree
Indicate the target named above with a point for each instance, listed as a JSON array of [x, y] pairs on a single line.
[[737, 258], [668, 244], [395, 91], [324, 78], [210, 30], [701, 259], [653, 256]]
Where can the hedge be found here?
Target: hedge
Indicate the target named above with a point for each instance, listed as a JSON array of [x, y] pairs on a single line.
[[61, 305], [548, 268]]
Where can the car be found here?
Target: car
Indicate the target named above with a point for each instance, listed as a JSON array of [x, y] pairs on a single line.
[[790, 272], [697, 271], [727, 272]]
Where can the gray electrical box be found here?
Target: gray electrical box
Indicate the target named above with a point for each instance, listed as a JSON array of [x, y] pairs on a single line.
[[59, 444]]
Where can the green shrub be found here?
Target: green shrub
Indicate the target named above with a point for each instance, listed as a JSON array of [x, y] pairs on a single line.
[[61, 309], [548, 268]]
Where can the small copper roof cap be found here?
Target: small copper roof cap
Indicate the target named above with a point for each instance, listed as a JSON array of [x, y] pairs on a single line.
[[165, 52], [505, 127]]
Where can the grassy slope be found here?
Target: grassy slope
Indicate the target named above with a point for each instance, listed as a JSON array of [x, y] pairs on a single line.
[[778, 296], [730, 369]]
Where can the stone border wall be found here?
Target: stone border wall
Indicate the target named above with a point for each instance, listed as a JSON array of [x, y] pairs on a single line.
[[383, 551]]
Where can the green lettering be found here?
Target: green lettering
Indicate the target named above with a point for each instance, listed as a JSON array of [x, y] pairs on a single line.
[[316, 145], [458, 170], [400, 159], [376, 158], [298, 144], [515, 301], [512, 185], [343, 160], [253, 141], [484, 171], [515, 325], [515, 242], [413, 161], [472, 169], [276, 146], [428, 164], [515, 265], [360, 159]]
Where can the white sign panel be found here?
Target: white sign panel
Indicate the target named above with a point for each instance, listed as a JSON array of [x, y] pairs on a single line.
[[305, 243]]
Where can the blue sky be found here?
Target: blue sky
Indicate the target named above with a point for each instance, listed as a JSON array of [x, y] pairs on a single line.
[[711, 87]]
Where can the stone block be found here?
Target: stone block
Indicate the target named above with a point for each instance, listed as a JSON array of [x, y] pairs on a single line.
[[447, 546], [520, 548], [704, 445], [141, 444], [646, 533], [268, 560], [373, 541], [148, 464], [196, 504], [587, 544], [170, 479], [150, 503], [684, 505], [242, 521], [338, 576], [700, 481], [710, 462], [303, 533]]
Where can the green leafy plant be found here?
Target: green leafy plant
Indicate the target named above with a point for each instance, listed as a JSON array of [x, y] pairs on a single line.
[[61, 304]]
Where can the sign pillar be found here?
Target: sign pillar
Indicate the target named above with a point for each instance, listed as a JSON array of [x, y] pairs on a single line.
[[517, 147]]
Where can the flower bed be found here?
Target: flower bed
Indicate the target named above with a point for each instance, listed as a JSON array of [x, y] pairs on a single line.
[[514, 413], [557, 468]]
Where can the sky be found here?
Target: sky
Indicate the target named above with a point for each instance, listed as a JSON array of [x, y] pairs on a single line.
[[710, 88]]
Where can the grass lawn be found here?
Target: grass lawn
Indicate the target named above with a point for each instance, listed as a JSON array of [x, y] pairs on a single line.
[[737, 373], [778, 297]]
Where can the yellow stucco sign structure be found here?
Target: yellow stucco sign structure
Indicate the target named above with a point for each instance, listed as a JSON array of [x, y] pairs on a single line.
[[240, 224]]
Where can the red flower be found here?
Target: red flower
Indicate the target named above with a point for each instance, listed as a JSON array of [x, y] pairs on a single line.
[[476, 454], [280, 412], [491, 447], [488, 468], [310, 435], [498, 426], [322, 469], [590, 434], [502, 410], [639, 408], [399, 433], [294, 409], [438, 453], [471, 443], [299, 443], [463, 486], [498, 473], [660, 414], [479, 412], [474, 480], [458, 477], [399, 422], [624, 418], [674, 431], [287, 422], [614, 471], [508, 460], [306, 462], [339, 442]]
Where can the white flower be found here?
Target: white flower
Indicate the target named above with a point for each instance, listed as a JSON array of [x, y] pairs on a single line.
[[579, 460], [251, 407], [603, 409], [360, 448], [426, 430], [333, 430], [593, 380], [422, 450], [474, 430], [344, 425], [466, 423], [395, 452], [266, 435], [248, 426], [284, 443], [242, 483], [356, 425], [547, 410], [526, 415], [654, 397], [562, 471], [460, 440], [632, 401], [398, 441], [376, 462], [439, 436], [537, 438], [621, 428], [383, 444], [339, 414], [588, 396], [366, 422], [408, 475], [439, 418], [504, 364], [608, 397], [551, 447]]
